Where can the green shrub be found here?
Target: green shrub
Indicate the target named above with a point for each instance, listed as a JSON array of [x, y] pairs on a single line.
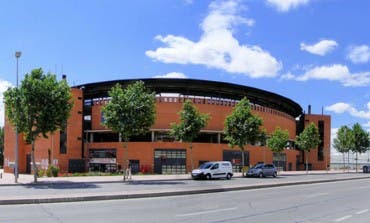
[[40, 173], [52, 171], [48, 172]]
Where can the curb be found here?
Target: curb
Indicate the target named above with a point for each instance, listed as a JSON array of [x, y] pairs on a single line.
[[162, 194]]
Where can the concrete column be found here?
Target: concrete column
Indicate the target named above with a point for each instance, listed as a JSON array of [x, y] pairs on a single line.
[[91, 137]]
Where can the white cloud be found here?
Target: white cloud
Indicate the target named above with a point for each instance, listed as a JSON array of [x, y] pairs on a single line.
[[339, 107], [359, 54], [172, 75], [188, 2], [320, 48], [342, 107], [336, 72], [217, 46], [367, 125], [286, 5], [288, 76], [4, 85]]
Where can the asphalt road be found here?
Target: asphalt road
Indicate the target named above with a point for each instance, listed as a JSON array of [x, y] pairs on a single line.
[[345, 201], [61, 189]]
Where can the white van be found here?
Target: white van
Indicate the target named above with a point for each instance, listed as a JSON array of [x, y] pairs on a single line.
[[217, 169]]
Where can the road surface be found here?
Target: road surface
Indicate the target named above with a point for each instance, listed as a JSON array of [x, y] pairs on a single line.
[[345, 201]]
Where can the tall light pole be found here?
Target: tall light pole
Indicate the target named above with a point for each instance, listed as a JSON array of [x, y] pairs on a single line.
[[17, 55]]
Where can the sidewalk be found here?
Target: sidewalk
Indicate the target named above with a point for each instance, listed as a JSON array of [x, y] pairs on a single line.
[[72, 189], [8, 178]]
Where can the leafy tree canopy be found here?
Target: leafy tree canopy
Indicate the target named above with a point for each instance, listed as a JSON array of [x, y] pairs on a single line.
[[309, 138], [41, 105], [242, 127], [360, 139], [191, 123], [278, 140], [342, 143], [131, 111]]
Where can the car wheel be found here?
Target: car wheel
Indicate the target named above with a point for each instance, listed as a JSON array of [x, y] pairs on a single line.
[[260, 175], [274, 175], [208, 177], [365, 169], [228, 176]]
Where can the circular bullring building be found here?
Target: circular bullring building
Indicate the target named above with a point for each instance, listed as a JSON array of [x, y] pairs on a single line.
[[87, 145]]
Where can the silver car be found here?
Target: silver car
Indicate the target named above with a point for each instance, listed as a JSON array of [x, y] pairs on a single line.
[[262, 170]]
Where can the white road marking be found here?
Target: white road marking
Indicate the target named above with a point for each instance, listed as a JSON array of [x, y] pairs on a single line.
[[206, 212], [343, 218], [316, 195], [364, 187], [363, 211]]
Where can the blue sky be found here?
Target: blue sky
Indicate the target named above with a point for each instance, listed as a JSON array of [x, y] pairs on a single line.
[[313, 51]]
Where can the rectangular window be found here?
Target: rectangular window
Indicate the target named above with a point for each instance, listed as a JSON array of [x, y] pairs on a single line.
[[279, 160], [235, 157], [170, 161], [103, 160], [320, 150], [63, 142], [102, 118]]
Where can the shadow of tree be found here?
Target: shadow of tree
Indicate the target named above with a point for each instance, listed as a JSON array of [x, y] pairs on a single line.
[[61, 185]]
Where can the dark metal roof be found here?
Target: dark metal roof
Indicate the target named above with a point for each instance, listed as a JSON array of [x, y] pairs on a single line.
[[200, 88]]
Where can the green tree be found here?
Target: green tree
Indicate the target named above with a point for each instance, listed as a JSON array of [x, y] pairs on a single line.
[[191, 122], [308, 139], [360, 140], [1, 146], [242, 127], [130, 112], [39, 106], [342, 143], [278, 140]]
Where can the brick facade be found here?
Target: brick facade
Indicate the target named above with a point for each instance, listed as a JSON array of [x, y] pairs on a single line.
[[80, 142]]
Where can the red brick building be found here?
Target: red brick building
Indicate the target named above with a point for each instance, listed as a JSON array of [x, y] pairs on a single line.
[[87, 145]]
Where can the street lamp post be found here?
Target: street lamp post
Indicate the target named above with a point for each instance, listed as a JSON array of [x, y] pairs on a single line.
[[17, 55]]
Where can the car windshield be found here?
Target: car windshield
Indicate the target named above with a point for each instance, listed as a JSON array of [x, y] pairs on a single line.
[[258, 166], [205, 166]]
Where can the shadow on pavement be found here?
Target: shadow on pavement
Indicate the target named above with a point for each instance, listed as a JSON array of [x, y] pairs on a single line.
[[61, 185], [154, 182]]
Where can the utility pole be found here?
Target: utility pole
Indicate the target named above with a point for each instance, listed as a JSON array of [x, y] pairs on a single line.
[[17, 55]]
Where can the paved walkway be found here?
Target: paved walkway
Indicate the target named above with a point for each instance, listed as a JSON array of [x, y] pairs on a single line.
[[68, 189], [8, 178]]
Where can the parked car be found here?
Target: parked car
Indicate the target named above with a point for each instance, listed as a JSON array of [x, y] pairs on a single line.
[[210, 170], [366, 168], [262, 170]]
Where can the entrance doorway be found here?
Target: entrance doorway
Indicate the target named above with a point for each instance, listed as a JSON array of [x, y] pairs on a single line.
[[170, 161], [103, 160], [28, 163]]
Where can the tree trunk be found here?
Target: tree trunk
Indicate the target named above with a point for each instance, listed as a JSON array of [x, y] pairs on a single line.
[[356, 160], [344, 162], [242, 149], [125, 157], [348, 162], [191, 157], [306, 161], [279, 162], [35, 171]]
